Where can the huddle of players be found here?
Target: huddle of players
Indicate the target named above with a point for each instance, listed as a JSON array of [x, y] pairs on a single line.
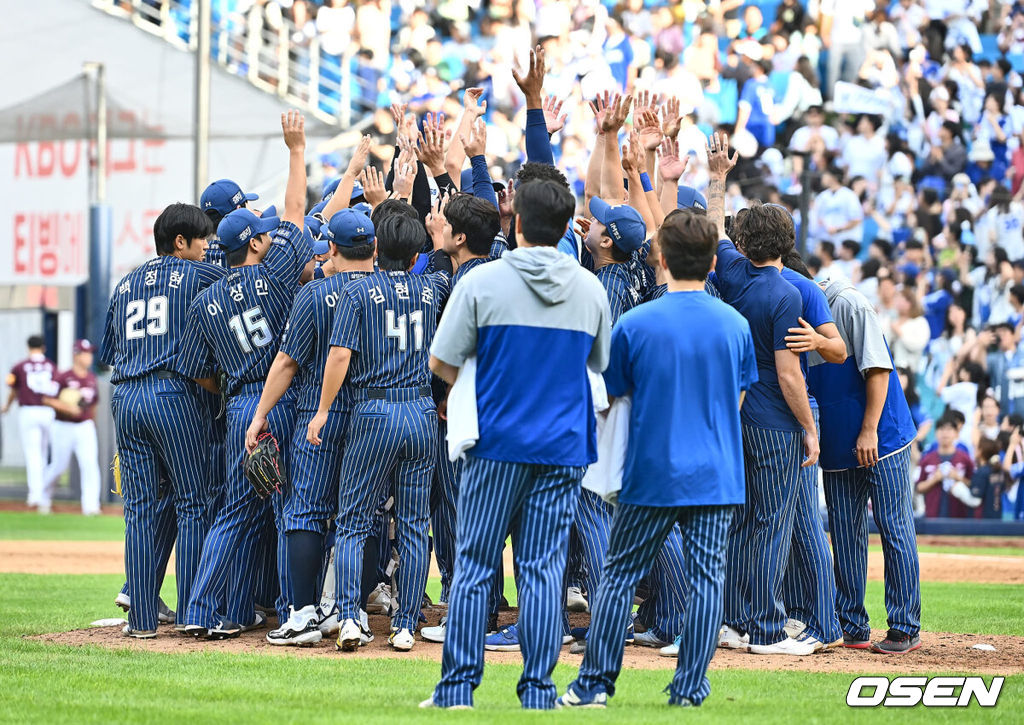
[[56, 420], [362, 412]]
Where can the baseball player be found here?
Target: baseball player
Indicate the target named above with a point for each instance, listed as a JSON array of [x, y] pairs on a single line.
[[382, 332], [312, 498], [525, 470], [74, 430], [778, 426], [686, 359], [235, 324], [30, 381], [160, 425], [867, 431]]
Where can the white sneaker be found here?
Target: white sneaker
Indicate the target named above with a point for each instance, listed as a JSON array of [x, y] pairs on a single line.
[[301, 628], [575, 601], [794, 628], [365, 633], [164, 614], [671, 650], [805, 645], [350, 636], [379, 601], [329, 624], [435, 634], [401, 639], [731, 639], [429, 703]]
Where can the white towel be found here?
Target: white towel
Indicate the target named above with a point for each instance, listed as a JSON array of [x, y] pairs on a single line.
[[605, 476], [598, 391], [463, 426]]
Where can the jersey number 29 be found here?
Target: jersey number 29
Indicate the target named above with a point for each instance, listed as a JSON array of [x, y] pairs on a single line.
[[251, 325], [399, 329], [146, 318]]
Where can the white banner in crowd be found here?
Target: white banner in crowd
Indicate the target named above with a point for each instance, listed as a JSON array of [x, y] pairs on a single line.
[[851, 98]]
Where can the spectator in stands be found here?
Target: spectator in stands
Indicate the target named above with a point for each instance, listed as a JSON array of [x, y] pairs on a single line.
[[1005, 366], [949, 157], [989, 480], [922, 422], [909, 332], [942, 470], [837, 213]]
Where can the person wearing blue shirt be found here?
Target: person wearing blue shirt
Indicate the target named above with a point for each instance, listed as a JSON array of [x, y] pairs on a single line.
[[618, 53], [686, 359], [755, 106], [778, 426], [865, 452]]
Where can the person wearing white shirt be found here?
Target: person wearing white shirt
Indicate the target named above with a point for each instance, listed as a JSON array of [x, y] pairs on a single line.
[[837, 213], [815, 128], [864, 154]]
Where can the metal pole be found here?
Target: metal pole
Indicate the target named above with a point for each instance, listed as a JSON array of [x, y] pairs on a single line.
[[202, 100]]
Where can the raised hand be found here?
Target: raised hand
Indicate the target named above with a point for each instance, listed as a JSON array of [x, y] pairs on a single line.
[[531, 83], [633, 155], [582, 226], [647, 125], [432, 146], [616, 114], [670, 166], [398, 111], [293, 126], [672, 119], [405, 175], [600, 106], [436, 220], [552, 109], [646, 101], [359, 156], [373, 186], [505, 198], [475, 142], [719, 161], [471, 101]]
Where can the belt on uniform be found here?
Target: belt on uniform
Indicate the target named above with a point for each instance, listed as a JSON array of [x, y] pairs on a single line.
[[393, 394], [165, 375]]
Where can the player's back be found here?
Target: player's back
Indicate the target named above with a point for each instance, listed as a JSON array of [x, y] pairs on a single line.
[[307, 339], [388, 320], [147, 315], [620, 285]]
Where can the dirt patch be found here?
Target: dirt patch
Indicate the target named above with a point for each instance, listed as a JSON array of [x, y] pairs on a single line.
[[59, 507], [988, 542], [107, 557], [941, 652]]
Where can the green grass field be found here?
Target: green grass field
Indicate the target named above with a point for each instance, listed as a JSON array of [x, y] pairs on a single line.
[[50, 683]]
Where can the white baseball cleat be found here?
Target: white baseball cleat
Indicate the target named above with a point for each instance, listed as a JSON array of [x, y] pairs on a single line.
[[671, 650], [350, 636], [365, 633], [379, 601], [401, 639], [575, 601], [300, 629], [429, 703], [329, 624], [732, 639], [794, 628], [164, 614], [435, 634], [801, 647]]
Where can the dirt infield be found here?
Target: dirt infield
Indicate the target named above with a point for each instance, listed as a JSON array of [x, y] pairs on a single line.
[[107, 557], [941, 652]]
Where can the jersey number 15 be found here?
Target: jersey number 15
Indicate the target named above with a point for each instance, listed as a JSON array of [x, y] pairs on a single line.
[[399, 329], [251, 325]]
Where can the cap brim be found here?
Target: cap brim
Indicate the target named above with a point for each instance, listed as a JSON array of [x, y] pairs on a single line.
[[251, 197], [267, 224], [600, 209], [269, 211]]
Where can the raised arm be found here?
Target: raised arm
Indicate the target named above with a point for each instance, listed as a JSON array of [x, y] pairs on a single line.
[[293, 126], [719, 166], [343, 194], [431, 151], [531, 83], [592, 185], [472, 108], [611, 169], [475, 143], [632, 163], [671, 168]]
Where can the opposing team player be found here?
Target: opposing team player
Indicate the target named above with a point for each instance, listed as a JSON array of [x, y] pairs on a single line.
[[382, 332], [30, 380], [160, 426], [236, 324]]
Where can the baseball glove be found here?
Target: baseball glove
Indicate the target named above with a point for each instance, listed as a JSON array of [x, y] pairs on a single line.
[[71, 396], [263, 467], [115, 466]]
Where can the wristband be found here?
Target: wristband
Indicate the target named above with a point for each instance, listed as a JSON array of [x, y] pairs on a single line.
[[645, 181]]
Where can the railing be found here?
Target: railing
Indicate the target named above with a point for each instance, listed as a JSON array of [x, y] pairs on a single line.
[[246, 45]]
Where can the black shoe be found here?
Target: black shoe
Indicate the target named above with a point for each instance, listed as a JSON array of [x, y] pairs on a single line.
[[196, 630], [224, 629], [492, 624], [897, 642]]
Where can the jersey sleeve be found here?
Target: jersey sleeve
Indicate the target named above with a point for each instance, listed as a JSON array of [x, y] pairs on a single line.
[[288, 254], [729, 267], [347, 322], [108, 345], [748, 360], [785, 316], [14, 377], [618, 376], [864, 337], [195, 358], [299, 334], [597, 361], [455, 338], [816, 310]]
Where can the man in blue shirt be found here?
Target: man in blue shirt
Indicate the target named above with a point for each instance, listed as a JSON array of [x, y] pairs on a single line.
[[756, 105], [866, 452], [778, 426], [686, 359]]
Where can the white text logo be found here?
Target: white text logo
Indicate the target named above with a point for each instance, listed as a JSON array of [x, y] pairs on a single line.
[[930, 692]]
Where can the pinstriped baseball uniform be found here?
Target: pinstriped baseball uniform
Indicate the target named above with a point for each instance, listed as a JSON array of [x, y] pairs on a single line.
[[762, 530], [236, 324], [525, 469], [159, 423], [387, 320], [840, 390]]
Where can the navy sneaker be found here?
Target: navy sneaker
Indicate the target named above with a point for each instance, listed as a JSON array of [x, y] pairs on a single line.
[[572, 699], [897, 642]]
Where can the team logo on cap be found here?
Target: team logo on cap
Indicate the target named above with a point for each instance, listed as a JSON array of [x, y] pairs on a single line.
[[237, 197], [614, 229], [245, 234]]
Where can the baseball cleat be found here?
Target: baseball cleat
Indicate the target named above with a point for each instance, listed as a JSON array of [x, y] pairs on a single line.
[[897, 642], [853, 642], [349, 636], [224, 629], [429, 703], [575, 601], [505, 639], [123, 601], [365, 633], [379, 601], [401, 639], [138, 633], [649, 639], [794, 628], [731, 638], [259, 622], [300, 629], [164, 614], [806, 645], [435, 634], [671, 650], [572, 699], [329, 624], [194, 630], [579, 647]]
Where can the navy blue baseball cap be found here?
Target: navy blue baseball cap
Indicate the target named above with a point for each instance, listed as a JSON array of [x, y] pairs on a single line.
[[240, 226], [624, 224], [688, 198], [349, 228], [332, 186], [225, 196]]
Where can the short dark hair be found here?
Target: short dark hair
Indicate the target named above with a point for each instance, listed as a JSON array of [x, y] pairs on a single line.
[[1018, 291], [884, 246], [399, 239], [215, 216], [828, 248], [688, 243], [477, 219], [545, 209], [357, 254], [946, 421], [187, 220], [767, 232], [36, 342], [536, 171], [236, 257], [392, 206], [852, 245]]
